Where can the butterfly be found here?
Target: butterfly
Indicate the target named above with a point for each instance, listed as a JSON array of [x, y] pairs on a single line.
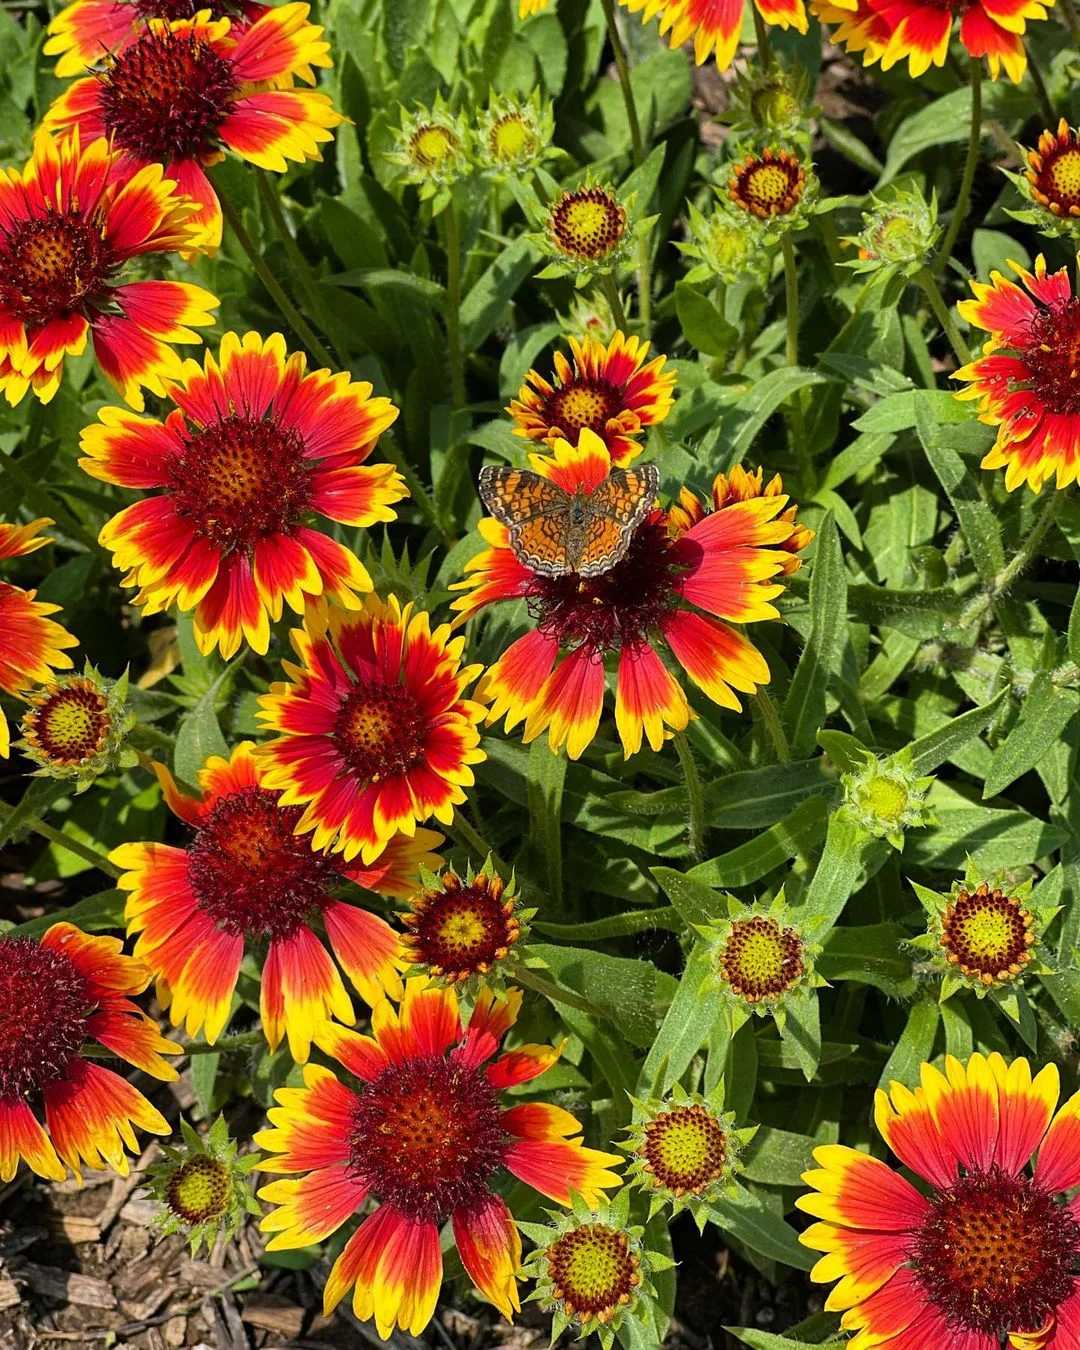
[[554, 532]]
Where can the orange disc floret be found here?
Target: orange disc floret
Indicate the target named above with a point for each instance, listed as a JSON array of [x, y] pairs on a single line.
[[426, 1136], [255, 447], [675, 590], [183, 92], [70, 222], [373, 734], [612, 390], [987, 1249], [31, 644], [56, 997], [246, 880], [714, 25], [769, 184], [987, 934], [461, 927], [1053, 171], [1027, 382]]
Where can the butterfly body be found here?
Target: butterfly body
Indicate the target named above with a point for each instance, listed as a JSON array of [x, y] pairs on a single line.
[[557, 533]]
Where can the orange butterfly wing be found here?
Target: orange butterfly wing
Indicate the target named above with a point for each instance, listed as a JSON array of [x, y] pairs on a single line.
[[536, 511], [616, 509]]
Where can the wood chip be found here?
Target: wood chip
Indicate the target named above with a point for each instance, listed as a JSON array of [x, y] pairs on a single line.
[[141, 1212], [67, 1287], [270, 1313], [9, 1294], [73, 1228], [175, 1331]]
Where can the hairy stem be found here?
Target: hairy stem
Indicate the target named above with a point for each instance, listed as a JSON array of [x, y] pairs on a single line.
[[623, 68], [932, 291], [453, 306], [964, 196], [695, 797], [771, 720]]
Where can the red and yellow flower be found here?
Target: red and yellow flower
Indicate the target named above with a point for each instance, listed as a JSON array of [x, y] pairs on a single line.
[[987, 1250], [70, 221], [425, 1136], [688, 574], [714, 25], [183, 92], [86, 30], [1053, 172], [920, 31], [609, 389], [31, 645], [252, 449], [246, 878], [373, 734], [1025, 381], [57, 995]]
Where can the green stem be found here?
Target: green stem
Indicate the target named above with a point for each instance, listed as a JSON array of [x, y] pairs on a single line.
[[611, 291], [529, 978], [695, 797], [453, 306], [1041, 91], [964, 196], [320, 310], [1072, 22], [617, 925], [623, 67], [761, 32], [73, 846], [771, 718], [289, 312], [984, 601], [791, 354], [932, 291], [644, 279]]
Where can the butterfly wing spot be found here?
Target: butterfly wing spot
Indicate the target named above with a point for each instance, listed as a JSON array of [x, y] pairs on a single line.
[[513, 496], [541, 544]]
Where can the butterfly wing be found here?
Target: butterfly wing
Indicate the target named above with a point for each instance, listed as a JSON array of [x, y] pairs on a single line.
[[536, 510], [617, 507]]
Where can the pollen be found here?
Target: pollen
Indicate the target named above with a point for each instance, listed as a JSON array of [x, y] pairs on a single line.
[[995, 1253], [988, 935], [588, 224], [250, 873], [165, 96], [685, 1149], [240, 480], [1053, 172], [380, 730], [198, 1190], [427, 1136], [593, 1272], [69, 725], [44, 1009], [462, 928], [581, 403], [53, 266], [759, 960], [768, 185]]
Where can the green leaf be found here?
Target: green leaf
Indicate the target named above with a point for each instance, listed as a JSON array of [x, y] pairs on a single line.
[[547, 774], [977, 521], [777, 1157], [485, 304], [870, 954], [796, 834], [745, 1217], [702, 323], [761, 400], [95, 914], [634, 994], [204, 1070], [943, 742], [766, 1340], [994, 838], [692, 1016], [1044, 717], [39, 795], [838, 870], [804, 708], [915, 1046], [696, 903], [199, 735]]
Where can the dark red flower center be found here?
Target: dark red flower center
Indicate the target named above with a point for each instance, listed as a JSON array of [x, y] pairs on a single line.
[[164, 96], [70, 725], [250, 873], [987, 934], [760, 960], [198, 1190], [1052, 355], [53, 266], [463, 928], [685, 1149], [170, 10], [995, 1253], [768, 185], [593, 1271], [240, 480], [44, 1008], [618, 608], [588, 224], [427, 1137], [582, 403], [380, 731]]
